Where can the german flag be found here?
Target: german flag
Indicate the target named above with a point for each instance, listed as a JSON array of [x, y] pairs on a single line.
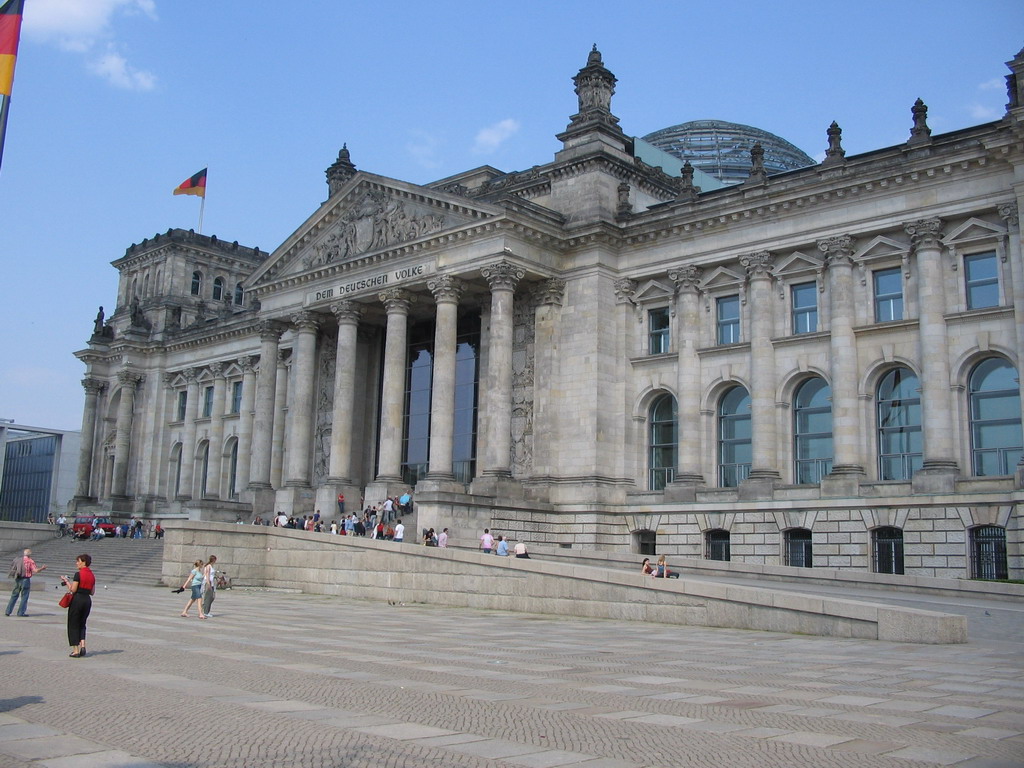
[[10, 28], [194, 185]]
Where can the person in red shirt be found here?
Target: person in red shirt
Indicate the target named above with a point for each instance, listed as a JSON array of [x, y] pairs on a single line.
[[82, 587], [22, 570]]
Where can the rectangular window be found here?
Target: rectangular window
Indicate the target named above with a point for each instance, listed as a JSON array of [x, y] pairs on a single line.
[[981, 272], [236, 397], [805, 307], [182, 402], [888, 284], [658, 331], [728, 320], [207, 402]]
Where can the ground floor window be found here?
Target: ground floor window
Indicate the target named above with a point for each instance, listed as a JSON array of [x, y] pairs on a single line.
[[988, 552], [644, 542], [887, 550], [798, 547], [717, 545]]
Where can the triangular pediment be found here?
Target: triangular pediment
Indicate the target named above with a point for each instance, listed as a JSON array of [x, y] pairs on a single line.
[[974, 230], [722, 276], [369, 215], [797, 263], [653, 290], [881, 248]]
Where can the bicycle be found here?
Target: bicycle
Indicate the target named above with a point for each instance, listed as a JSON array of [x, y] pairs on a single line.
[[223, 580], [62, 532]]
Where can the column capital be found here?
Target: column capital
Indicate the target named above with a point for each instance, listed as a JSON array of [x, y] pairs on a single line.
[[217, 369], [550, 292], [347, 312], [837, 250], [502, 276], [306, 321], [624, 290], [247, 363], [924, 233], [686, 277], [1008, 213], [446, 289], [129, 378], [758, 265], [269, 330], [168, 380], [93, 386], [396, 300], [190, 375]]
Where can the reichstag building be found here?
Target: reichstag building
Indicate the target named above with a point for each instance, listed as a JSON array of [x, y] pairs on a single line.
[[702, 343]]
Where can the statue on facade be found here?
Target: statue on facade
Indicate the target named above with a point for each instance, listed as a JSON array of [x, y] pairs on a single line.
[[97, 326]]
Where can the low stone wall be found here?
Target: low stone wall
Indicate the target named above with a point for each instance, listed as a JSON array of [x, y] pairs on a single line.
[[356, 567], [15, 536]]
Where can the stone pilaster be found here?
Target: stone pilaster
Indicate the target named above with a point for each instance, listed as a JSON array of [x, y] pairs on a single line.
[[300, 423], [213, 489], [447, 290], [1010, 216], [188, 439], [278, 448], [396, 301], [688, 466], [547, 312], [348, 314], [128, 380], [263, 424], [248, 365], [93, 389]]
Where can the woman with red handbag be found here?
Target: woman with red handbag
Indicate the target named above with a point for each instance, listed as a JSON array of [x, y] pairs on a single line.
[[81, 589]]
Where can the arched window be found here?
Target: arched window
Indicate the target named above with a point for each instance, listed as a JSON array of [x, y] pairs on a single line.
[[996, 443], [197, 283], [135, 287], [145, 285], [218, 289], [734, 445], [174, 477], [204, 468], [233, 471], [988, 552], [887, 550], [798, 547], [663, 443], [899, 425], [812, 431], [716, 545], [239, 295]]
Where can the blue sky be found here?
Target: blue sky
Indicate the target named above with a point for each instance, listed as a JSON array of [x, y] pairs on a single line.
[[117, 101]]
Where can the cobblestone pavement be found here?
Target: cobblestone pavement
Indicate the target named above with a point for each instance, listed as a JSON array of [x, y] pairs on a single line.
[[300, 680]]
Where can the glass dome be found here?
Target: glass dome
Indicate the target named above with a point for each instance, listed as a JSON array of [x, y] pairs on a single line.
[[723, 149]]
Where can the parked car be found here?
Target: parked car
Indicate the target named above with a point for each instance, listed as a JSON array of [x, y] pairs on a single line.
[[84, 525]]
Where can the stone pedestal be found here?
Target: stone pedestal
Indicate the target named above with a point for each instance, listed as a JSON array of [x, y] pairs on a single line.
[[326, 500], [295, 500], [757, 488], [496, 486], [261, 499], [935, 479], [840, 484], [682, 491]]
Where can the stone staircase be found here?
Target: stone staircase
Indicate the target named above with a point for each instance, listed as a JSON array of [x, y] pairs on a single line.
[[114, 561]]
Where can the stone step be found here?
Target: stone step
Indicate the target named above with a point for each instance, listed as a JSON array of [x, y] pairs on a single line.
[[114, 561]]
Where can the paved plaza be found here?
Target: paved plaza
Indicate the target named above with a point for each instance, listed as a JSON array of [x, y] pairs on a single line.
[[286, 680]]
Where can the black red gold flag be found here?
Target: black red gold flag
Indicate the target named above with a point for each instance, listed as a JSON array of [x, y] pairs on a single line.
[[10, 29], [194, 185]]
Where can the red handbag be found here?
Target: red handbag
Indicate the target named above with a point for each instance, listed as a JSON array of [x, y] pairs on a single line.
[[65, 601]]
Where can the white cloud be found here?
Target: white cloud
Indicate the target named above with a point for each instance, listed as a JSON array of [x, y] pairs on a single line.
[[995, 84], [981, 112], [493, 136], [423, 149], [83, 26]]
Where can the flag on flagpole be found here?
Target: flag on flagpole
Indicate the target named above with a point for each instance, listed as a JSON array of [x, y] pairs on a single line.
[[10, 29], [193, 185]]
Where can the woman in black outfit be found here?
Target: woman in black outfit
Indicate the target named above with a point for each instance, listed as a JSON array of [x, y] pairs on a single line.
[[82, 587]]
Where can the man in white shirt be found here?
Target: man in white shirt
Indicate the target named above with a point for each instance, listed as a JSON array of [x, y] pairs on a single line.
[[442, 539], [282, 520], [399, 532]]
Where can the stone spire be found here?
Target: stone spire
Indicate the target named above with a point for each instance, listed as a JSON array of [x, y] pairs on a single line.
[[687, 190], [757, 172], [340, 171], [594, 88], [920, 133], [1015, 82], [835, 153]]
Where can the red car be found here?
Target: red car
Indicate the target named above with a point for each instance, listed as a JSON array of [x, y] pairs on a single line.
[[84, 525]]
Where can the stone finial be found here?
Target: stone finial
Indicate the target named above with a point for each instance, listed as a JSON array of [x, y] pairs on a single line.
[[835, 152], [340, 171], [595, 86], [757, 172], [687, 191], [624, 207], [1015, 82], [920, 133]]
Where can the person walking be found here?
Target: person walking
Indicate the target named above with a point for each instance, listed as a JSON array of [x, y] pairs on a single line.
[[23, 568], [209, 585], [194, 581], [82, 587], [487, 541]]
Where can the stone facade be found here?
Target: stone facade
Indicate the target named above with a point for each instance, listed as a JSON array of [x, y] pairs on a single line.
[[814, 368]]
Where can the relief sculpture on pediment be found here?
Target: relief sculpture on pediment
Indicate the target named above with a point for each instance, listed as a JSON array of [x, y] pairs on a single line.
[[377, 221]]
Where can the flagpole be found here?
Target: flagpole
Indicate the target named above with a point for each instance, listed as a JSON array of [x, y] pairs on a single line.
[[202, 207], [5, 106]]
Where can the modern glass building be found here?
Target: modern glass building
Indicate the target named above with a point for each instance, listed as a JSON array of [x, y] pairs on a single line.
[[37, 474]]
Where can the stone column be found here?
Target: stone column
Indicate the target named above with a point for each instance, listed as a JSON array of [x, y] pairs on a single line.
[[548, 302], [763, 467], [129, 380], [940, 462], [447, 290], [93, 388], [389, 461], [348, 314], [263, 424], [843, 372], [248, 365], [688, 468], [1009, 214], [213, 470], [278, 452], [188, 439], [503, 278], [300, 423]]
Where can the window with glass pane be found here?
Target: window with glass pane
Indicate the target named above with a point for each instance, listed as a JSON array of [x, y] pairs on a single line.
[[658, 331], [728, 319], [663, 442], [236, 397], [805, 307], [218, 289], [467, 378], [239, 295], [197, 283], [899, 425], [717, 542], [988, 552], [207, 402], [233, 471], [996, 441], [182, 402], [887, 550], [735, 450], [798, 548], [418, 379], [888, 285], [812, 430], [981, 273]]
